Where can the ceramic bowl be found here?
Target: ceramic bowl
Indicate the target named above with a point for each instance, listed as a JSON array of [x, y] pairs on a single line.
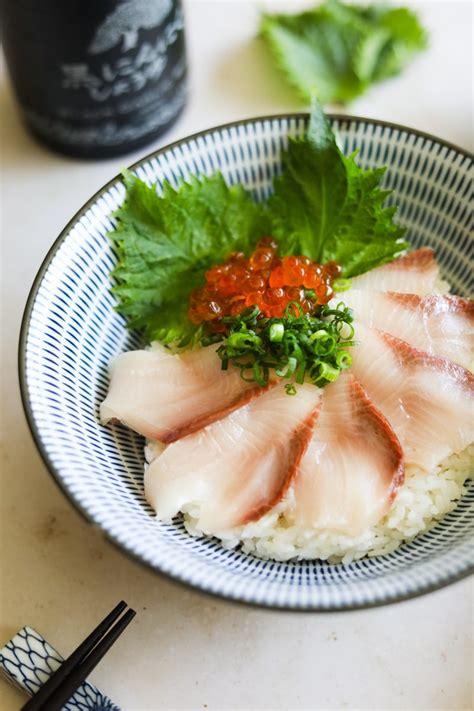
[[71, 332]]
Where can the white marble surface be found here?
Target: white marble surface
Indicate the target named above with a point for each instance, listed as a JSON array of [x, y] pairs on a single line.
[[186, 651]]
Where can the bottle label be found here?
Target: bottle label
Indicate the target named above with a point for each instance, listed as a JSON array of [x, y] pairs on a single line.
[[136, 65], [123, 24], [128, 82], [108, 133]]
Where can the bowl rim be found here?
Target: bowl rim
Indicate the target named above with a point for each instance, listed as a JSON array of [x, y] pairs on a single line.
[[54, 473]]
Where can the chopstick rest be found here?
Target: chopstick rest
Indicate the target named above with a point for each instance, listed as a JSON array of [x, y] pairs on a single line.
[[28, 661]]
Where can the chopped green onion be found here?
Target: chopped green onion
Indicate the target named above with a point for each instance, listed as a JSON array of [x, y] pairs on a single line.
[[276, 332], [345, 330], [322, 333], [287, 369], [244, 340], [324, 345], [250, 379], [297, 346], [292, 307], [291, 367], [341, 284], [328, 372], [300, 373], [260, 374], [209, 340], [249, 313], [295, 349], [343, 360]]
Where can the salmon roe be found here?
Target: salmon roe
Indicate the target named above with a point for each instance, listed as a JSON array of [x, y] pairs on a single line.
[[265, 280]]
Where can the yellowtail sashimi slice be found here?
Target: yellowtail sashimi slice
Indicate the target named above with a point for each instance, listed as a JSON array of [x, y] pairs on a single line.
[[236, 469], [353, 466], [415, 273], [165, 396], [429, 401], [438, 324]]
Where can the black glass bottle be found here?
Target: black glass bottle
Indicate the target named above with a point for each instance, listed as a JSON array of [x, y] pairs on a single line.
[[96, 78]]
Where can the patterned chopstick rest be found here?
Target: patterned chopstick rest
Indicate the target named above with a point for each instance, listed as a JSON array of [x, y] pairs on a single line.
[[28, 660]]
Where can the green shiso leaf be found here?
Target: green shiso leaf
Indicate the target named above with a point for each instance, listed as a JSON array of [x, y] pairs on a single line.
[[323, 206], [326, 207], [166, 242], [337, 51]]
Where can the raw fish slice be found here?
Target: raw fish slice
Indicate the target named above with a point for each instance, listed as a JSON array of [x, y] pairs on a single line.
[[438, 324], [353, 466], [415, 273], [165, 396], [429, 401], [235, 470]]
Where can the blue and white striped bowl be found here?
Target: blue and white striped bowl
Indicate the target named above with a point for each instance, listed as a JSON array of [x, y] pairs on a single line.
[[71, 332]]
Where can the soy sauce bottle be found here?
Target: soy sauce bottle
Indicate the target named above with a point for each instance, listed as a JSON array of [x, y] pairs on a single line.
[[96, 78]]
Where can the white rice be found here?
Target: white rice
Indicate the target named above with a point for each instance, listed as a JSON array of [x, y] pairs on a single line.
[[423, 499], [442, 286]]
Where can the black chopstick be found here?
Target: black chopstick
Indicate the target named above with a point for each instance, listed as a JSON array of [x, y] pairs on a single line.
[[73, 671], [59, 697], [75, 658]]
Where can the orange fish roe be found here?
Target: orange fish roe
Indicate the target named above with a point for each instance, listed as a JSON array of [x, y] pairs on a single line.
[[265, 280]]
